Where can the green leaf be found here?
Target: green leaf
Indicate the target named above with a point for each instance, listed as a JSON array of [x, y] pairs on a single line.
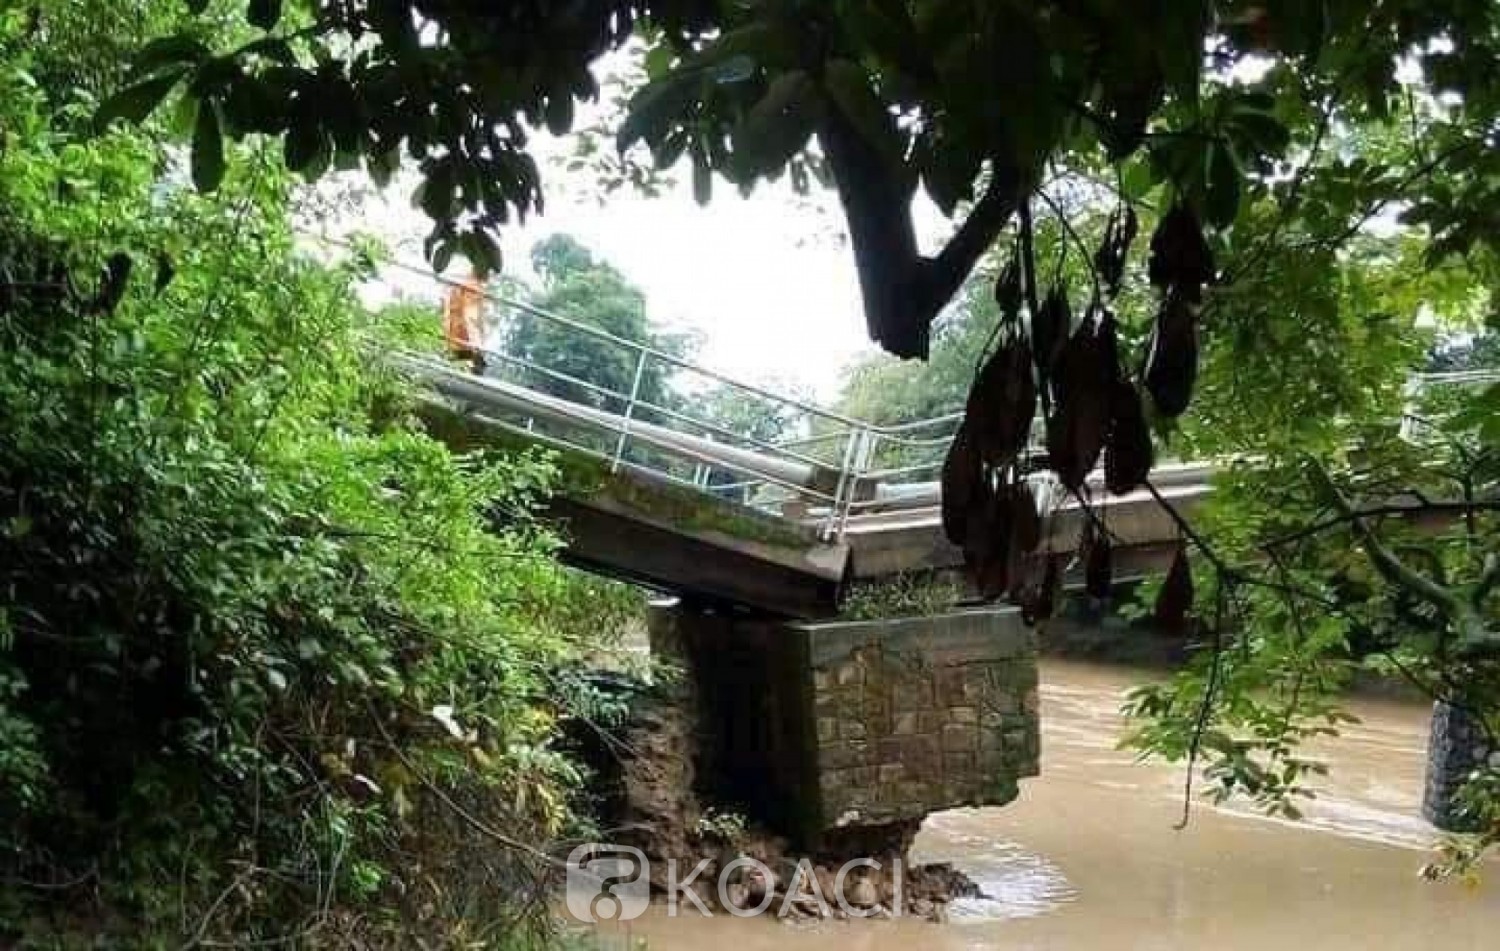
[[264, 13], [135, 103], [1222, 199], [735, 69], [777, 127], [305, 145], [165, 51], [703, 182], [659, 106], [208, 148], [483, 252]]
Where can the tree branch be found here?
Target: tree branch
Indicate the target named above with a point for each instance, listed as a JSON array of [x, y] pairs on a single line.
[[1391, 567], [1379, 511], [1488, 580]]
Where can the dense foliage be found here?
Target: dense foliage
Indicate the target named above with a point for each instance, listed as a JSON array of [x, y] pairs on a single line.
[[579, 287], [274, 666]]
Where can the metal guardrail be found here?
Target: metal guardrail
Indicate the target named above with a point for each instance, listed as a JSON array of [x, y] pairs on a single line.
[[823, 470]]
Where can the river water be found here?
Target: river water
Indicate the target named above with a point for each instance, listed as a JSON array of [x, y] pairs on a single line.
[[1088, 858]]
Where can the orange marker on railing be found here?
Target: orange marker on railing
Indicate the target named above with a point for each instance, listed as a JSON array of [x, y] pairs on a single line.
[[463, 319]]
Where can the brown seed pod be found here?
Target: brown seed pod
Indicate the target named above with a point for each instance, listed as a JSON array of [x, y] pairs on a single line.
[[1075, 432], [961, 483], [1026, 524], [1040, 602], [1128, 453], [1002, 405], [1114, 250], [1172, 363], [1175, 599], [1009, 293], [1050, 328], [1098, 568], [1180, 256], [987, 540]]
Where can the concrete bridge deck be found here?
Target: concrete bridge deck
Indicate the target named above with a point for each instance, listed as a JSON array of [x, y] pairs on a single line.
[[640, 524]]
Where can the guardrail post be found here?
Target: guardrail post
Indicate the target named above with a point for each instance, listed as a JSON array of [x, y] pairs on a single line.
[[629, 414]]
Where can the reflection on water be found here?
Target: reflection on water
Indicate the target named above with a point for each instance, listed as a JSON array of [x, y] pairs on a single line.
[[1087, 857]]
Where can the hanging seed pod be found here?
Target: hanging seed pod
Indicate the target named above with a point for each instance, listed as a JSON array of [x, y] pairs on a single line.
[[961, 483], [1040, 602], [1128, 453], [1114, 250], [1002, 405], [1109, 341], [1075, 432], [1050, 327], [112, 287], [988, 548], [1172, 363], [1009, 292], [1098, 568], [1180, 256], [1175, 599], [1025, 523]]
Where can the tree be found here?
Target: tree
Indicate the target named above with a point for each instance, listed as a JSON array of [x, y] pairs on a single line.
[[578, 286], [987, 95], [265, 648]]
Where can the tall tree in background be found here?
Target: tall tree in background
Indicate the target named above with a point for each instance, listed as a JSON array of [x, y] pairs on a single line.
[[579, 286]]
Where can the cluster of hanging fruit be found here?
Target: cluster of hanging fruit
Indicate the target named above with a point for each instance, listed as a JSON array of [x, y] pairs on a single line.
[[1092, 411]]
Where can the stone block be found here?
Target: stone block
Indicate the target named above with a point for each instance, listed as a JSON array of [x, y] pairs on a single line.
[[958, 764], [958, 736], [911, 693], [929, 721], [852, 729], [964, 715], [948, 683], [920, 754], [828, 729], [904, 724], [890, 749], [891, 773]]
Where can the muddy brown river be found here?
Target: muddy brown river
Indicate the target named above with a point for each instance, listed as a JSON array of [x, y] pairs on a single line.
[[1087, 857]]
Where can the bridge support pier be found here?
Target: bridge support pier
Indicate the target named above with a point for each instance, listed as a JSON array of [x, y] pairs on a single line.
[[820, 730], [1456, 747]]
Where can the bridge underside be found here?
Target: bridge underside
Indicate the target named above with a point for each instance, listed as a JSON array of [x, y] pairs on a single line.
[[627, 525]]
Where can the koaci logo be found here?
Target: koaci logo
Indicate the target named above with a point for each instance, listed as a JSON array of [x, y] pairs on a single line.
[[607, 883]]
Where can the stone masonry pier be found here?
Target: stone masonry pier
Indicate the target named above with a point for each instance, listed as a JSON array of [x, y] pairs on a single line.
[[820, 730]]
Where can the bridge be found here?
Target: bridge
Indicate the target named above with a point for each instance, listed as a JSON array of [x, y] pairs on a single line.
[[663, 494], [821, 729]]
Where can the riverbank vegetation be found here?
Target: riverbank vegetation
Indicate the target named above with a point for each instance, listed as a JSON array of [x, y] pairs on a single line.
[[275, 667]]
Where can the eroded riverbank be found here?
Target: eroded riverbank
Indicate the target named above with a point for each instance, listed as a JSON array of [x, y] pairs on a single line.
[[1087, 857]]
